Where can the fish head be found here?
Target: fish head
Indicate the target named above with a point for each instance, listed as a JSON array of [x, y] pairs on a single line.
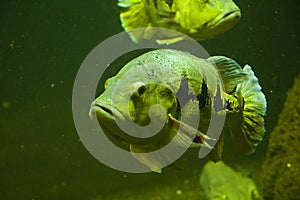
[[205, 19], [131, 100]]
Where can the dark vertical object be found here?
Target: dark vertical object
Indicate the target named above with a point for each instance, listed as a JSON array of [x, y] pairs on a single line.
[[218, 104], [155, 3]]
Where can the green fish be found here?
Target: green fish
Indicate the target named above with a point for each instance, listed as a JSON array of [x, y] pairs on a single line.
[[199, 19], [182, 85]]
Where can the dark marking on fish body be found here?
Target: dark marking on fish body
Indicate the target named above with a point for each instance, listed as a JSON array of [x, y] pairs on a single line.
[[202, 97], [218, 103], [152, 74], [182, 94], [169, 2], [243, 103], [199, 140], [229, 105], [148, 2], [233, 90]]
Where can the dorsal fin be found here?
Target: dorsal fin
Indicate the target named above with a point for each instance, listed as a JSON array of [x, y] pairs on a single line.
[[127, 3], [134, 16], [230, 71]]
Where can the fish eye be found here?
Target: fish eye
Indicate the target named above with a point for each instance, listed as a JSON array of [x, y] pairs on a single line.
[[141, 90]]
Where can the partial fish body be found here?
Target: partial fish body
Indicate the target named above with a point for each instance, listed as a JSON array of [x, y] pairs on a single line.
[[199, 19], [178, 81]]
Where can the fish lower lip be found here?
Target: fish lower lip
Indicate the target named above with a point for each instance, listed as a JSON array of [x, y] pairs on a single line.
[[102, 108], [231, 13], [228, 17], [105, 111]]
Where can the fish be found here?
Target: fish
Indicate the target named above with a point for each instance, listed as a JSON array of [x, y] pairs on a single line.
[[198, 19], [181, 84]]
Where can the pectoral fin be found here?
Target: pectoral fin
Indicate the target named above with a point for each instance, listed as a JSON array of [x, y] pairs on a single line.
[[170, 41], [188, 136]]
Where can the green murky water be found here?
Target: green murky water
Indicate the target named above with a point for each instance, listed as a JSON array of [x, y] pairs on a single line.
[[43, 43]]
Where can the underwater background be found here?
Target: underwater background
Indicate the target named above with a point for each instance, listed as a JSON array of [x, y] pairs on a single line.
[[42, 45]]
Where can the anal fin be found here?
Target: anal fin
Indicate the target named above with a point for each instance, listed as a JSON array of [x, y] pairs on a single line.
[[150, 160], [216, 152]]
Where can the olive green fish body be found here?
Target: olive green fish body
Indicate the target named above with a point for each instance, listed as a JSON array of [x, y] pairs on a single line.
[[200, 20], [185, 87]]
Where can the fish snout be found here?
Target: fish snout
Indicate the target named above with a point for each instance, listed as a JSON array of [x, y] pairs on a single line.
[[100, 111], [92, 111], [234, 15]]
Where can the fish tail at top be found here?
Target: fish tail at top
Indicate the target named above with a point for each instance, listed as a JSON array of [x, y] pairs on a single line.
[[250, 129], [134, 15]]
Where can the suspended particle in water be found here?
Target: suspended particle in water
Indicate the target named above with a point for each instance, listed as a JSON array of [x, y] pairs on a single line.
[[5, 104], [179, 192]]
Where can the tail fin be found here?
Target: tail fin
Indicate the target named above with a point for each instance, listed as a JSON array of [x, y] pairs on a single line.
[[247, 126], [134, 16], [246, 104]]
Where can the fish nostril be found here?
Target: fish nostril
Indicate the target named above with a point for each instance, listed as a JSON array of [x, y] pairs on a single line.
[[238, 16]]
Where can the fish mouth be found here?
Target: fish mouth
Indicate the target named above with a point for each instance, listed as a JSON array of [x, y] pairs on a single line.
[[220, 24], [229, 17], [103, 112], [106, 116]]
